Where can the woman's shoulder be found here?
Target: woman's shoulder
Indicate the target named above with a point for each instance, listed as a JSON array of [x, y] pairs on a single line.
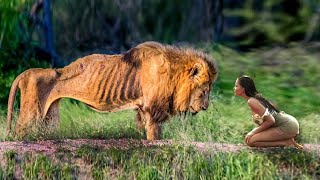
[[253, 102]]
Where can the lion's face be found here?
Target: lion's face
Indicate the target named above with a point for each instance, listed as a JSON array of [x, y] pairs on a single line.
[[199, 95], [199, 99], [194, 88]]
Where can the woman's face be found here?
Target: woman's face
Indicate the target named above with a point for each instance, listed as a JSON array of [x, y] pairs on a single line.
[[238, 89]]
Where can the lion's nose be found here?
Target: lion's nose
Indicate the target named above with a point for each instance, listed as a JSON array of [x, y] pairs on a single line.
[[205, 106]]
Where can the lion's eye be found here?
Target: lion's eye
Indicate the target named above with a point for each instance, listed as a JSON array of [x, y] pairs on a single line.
[[194, 72], [204, 92]]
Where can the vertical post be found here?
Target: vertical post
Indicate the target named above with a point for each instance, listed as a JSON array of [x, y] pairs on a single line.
[[48, 33], [218, 28]]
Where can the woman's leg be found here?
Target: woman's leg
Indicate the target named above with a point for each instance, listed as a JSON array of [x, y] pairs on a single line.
[[273, 137]]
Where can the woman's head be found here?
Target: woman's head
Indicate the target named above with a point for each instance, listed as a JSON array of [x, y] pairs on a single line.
[[245, 84]]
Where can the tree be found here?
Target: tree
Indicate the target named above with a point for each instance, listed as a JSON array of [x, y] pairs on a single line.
[[46, 25]]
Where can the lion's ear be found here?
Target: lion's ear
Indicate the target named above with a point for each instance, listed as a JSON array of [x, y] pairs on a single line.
[[194, 71]]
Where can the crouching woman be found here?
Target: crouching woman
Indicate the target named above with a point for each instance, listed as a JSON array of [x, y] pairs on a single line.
[[275, 128]]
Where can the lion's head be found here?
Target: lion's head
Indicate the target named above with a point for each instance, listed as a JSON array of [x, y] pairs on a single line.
[[176, 79], [194, 82]]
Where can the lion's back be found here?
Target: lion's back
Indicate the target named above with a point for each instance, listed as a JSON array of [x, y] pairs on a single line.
[[38, 76]]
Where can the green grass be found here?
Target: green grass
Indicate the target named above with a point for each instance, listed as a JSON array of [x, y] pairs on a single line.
[[35, 167], [225, 121], [95, 125], [292, 84], [166, 162]]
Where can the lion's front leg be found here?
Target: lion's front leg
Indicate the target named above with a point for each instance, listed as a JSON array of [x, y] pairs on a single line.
[[152, 127], [153, 131], [140, 121]]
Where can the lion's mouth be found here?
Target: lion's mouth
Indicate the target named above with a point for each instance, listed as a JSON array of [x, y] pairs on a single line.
[[192, 110], [186, 113], [194, 113]]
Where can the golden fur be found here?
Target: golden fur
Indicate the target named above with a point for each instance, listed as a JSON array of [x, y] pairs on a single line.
[[157, 80]]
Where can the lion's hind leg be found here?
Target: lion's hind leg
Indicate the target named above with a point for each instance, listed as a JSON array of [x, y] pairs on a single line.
[[35, 125], [24, 124], [30, 113], [35, 85]]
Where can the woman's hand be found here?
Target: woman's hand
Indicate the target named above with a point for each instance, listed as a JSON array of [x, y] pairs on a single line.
[[257, 119]]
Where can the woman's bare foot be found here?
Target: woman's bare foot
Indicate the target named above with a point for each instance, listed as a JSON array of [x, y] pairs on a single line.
[[293, 143]]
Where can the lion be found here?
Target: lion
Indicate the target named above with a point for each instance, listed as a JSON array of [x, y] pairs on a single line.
[[156, 80]]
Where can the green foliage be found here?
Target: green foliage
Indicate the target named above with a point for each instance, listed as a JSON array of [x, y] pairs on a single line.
[[103, 25], [12, 63], [16, 49], [271, 22], [286, 76], [159, 23], [11, 20], [2, 174]]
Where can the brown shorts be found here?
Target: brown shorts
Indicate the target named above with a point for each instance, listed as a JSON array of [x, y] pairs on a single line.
[[286, 123]]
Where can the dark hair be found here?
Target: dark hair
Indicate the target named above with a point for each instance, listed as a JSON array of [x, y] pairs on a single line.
[[250, 90]]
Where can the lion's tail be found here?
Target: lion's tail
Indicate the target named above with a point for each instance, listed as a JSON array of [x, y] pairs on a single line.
[[12, 97]]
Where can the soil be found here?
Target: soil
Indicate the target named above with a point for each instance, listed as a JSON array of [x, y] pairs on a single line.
[[49, 147]]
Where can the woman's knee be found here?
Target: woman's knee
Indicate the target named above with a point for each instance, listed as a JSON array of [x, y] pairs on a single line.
[[251, 143]]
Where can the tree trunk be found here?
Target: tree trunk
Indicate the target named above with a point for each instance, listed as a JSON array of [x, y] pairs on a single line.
[[48, 33]]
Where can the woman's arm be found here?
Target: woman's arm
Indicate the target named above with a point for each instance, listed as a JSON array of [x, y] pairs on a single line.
[[259, 109]]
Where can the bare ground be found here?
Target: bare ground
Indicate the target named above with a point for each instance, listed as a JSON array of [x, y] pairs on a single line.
[[50, 147]]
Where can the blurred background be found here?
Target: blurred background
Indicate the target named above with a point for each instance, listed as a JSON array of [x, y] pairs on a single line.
[[276, 41]]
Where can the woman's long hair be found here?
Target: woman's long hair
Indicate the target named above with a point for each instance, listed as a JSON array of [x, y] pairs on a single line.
[[250, 90]]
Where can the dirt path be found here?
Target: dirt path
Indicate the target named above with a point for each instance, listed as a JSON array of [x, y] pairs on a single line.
[[52, 146]]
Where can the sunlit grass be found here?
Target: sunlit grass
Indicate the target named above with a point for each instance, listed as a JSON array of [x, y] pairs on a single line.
[[220, 123], [90, 124], [310, 128]]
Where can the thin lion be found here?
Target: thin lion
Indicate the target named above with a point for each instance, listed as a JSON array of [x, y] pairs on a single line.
[[156, 80]]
